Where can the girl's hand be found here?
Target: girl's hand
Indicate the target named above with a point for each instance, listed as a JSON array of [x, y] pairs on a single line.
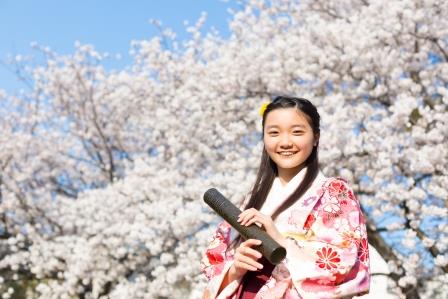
[[251, 216], [245, 259]]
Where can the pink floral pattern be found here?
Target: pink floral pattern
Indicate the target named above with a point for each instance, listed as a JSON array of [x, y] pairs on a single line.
[[332, 205], [309, 221], [364, 251], [336, 187], [327, 258], [215, 255], [330, 260]]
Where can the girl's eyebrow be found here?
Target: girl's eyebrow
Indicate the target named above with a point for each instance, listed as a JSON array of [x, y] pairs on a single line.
[[293, 126], [300, 126]]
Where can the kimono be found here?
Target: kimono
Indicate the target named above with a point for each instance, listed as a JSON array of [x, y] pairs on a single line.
[[327, 249]]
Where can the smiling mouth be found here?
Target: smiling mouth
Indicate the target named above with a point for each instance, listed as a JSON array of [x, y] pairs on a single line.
[[287, 153]]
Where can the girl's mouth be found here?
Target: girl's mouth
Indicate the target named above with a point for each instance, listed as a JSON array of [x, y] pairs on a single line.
[[287, 153]]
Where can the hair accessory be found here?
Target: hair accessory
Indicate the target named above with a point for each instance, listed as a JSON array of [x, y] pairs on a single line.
[[263, 108]]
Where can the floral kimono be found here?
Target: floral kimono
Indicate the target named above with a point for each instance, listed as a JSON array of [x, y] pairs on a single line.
[[327, 249]]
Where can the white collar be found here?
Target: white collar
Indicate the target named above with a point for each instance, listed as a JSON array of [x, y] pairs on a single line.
[[279, 192], [292, 185]]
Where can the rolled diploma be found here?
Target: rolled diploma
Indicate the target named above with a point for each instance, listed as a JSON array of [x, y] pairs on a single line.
[[269, 248]]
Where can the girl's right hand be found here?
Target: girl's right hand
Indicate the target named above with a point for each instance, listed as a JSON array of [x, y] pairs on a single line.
[[245, 259]]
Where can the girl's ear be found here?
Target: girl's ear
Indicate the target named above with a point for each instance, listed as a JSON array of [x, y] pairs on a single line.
[[316, 139]]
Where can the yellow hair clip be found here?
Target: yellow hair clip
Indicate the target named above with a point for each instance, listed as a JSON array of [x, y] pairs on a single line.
[[263, 108]]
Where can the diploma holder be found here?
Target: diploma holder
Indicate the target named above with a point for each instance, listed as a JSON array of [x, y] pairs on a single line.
[[269, 248]]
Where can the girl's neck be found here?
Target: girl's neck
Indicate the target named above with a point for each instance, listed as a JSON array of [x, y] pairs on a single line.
[[286, 175]]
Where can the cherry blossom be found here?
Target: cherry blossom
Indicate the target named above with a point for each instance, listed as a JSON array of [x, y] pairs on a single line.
[[102, 171]]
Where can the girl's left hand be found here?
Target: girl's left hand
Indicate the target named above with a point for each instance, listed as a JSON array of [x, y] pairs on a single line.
[[251, 216]]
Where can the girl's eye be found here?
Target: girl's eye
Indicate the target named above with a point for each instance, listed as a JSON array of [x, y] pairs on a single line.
[[273, 133], [297, 132]]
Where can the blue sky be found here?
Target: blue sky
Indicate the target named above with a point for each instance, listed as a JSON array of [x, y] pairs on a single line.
[[108, 25]]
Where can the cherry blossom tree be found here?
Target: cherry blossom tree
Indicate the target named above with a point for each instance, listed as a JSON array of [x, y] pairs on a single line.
[[102, 172]]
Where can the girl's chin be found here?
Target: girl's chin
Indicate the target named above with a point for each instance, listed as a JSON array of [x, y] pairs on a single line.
[[289, 166]]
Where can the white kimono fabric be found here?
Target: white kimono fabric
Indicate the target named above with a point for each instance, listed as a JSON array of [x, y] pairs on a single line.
[[327, 248]]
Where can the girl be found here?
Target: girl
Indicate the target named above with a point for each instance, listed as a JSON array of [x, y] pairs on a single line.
[[317, 219]]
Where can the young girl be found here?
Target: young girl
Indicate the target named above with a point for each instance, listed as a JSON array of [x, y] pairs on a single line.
[[317, 219]]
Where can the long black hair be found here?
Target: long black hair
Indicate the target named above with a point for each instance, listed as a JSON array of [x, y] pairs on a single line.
[[267, 170]]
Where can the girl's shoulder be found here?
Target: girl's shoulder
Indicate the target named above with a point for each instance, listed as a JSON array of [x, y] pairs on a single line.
[[337, 189], [323, 182], [336, 182]]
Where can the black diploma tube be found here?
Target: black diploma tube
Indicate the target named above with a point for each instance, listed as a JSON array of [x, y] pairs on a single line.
[[269, 248]]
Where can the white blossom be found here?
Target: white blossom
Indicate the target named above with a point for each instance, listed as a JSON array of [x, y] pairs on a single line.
[[102, 171]]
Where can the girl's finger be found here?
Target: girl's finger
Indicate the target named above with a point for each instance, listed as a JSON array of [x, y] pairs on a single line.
[[243, 216], [248, 216], [248, 251], [256, 220], [243, 259], [240, 265], [246, 213], [250, 243]]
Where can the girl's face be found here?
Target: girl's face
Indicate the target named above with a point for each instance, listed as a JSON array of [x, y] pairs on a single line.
[[288, 140]]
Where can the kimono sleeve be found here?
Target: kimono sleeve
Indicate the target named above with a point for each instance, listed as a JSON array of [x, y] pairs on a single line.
[[332, 259], [216, 262]]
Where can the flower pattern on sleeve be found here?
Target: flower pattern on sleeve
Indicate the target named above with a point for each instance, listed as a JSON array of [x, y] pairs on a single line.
[[364, 251], [212, 263], [328, 258], [334, 258]]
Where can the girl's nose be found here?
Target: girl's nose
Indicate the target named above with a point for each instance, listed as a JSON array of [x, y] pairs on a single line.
[[285, 142]]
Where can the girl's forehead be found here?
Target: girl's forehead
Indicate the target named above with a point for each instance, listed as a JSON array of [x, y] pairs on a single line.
[[286, 117]]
